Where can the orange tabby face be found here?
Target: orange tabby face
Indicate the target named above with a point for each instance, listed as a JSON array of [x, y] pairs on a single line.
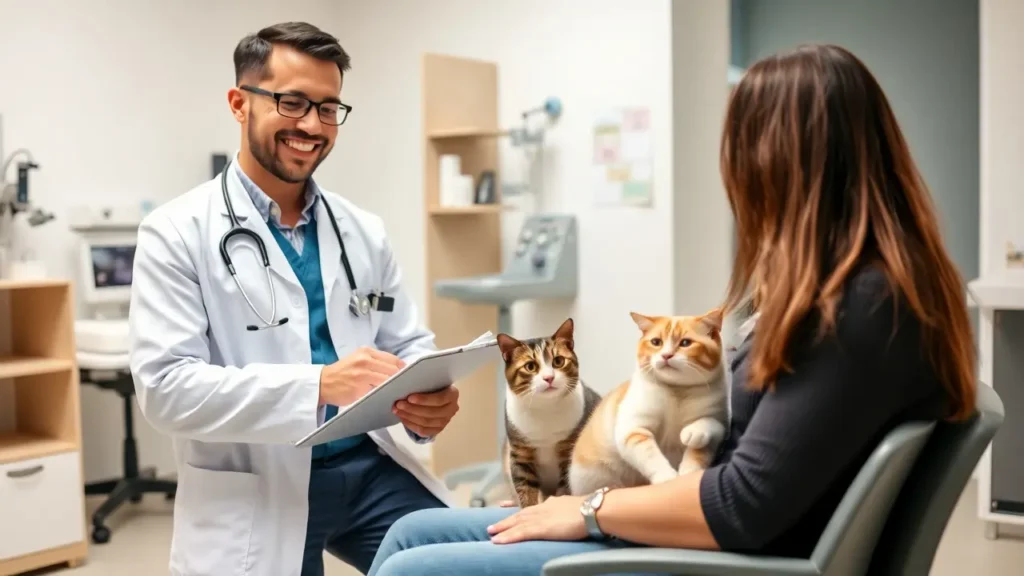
[[541, 366], [680, 350]]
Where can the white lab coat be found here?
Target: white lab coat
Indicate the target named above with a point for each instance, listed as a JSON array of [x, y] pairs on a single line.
[[236, 401]]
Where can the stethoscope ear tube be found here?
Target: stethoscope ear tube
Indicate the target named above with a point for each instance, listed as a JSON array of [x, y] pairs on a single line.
[[238, 230], [360, 306]]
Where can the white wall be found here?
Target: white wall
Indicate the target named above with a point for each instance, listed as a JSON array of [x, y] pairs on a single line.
[[605, 53], [121, 101], [1002, 134], [702, 228]]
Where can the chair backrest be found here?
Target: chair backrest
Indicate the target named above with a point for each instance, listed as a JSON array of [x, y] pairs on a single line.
[[847, 543], [919, 516]]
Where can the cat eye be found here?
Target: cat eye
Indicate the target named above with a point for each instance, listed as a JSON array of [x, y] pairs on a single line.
[[531, 366], [558, 362], [685, 342], [656, 342]]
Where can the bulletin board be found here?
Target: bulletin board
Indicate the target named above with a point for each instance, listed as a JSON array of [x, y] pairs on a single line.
[[623, 163]]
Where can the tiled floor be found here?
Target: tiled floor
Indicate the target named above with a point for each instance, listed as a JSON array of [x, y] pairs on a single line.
[[142, 536]]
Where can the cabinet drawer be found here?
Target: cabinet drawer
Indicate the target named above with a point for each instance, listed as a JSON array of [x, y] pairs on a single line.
[[42, 500]]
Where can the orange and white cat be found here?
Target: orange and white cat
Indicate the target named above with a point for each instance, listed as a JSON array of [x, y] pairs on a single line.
[[669, 419]]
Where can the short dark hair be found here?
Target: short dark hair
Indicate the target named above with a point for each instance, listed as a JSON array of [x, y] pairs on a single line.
[[253, 51]]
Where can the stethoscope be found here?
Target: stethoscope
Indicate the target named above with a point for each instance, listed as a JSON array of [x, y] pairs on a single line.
[[358, 305]]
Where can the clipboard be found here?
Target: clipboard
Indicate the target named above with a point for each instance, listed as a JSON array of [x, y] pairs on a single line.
[[429, 373]]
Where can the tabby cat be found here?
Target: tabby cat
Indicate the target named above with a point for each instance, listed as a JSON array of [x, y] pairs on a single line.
[[546, 406], [669, 419]]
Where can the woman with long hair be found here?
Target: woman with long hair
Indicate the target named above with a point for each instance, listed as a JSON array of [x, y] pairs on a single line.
[[860, 324]]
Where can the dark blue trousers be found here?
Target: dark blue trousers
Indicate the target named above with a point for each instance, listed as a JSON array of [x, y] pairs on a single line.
[[354, 498]]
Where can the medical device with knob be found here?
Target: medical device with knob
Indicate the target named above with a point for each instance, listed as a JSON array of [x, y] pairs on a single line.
[[14, 199], [544, 266], [531, 140]]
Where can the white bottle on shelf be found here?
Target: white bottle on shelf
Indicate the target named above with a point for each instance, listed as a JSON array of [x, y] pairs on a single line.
[[449, 172]]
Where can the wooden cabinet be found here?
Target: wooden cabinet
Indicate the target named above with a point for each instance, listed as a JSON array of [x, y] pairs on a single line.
[[42, 496]]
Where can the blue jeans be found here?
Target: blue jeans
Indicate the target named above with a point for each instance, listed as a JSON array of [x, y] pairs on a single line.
[[354, 498], [454, 542]]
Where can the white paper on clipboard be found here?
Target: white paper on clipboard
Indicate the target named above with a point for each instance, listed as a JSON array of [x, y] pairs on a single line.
[[428, 373]]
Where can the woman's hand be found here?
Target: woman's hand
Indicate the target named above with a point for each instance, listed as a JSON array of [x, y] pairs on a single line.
[[557, 518]]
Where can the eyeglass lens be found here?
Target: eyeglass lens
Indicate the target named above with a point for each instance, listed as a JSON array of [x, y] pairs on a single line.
[[297, 107]]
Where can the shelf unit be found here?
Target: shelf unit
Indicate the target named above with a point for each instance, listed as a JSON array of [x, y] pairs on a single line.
[[460, 116], [42, 498]]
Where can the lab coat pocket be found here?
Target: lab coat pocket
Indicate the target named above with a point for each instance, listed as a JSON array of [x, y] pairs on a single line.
[[213, 522]]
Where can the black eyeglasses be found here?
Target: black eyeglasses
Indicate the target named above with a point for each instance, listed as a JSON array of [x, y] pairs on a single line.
[[295, 106]]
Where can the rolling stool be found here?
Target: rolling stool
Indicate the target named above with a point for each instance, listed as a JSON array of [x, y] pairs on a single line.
[[110, 372]]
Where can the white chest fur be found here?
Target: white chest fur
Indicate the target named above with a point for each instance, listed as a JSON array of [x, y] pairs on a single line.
[[665, 411], [544, 423]]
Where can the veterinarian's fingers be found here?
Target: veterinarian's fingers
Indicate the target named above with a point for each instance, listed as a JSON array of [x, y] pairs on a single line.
[[419, 420], [507, 503]]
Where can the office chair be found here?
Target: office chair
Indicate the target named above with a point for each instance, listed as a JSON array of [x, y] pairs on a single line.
[[889, 522], [134, 483]]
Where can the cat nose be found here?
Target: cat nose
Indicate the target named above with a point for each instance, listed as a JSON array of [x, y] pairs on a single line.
[[549, 378], [667, 355]]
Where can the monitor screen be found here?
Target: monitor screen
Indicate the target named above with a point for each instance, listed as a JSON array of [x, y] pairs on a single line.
[[112, 265]]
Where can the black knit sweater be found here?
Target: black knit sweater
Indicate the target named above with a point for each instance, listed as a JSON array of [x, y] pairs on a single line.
[[793, 451]]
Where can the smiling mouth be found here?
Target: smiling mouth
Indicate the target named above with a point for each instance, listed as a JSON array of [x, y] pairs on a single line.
[[301, 145]]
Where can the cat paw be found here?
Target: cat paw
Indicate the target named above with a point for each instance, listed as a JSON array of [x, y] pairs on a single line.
[[701, 433], [665, 476], [687, 467]]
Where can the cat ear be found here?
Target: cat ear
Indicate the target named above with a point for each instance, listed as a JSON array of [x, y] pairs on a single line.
[[564, 333], [643, 322], [712, 321], [507, 345]]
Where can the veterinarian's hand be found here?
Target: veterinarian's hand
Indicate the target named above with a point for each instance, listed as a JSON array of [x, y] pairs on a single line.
[[556, 518], [428, 414]]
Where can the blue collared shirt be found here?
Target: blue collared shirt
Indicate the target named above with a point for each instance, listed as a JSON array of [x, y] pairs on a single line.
[[270, 211]]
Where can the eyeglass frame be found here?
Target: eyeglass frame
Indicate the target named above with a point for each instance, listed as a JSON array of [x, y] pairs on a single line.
[[309, 103]]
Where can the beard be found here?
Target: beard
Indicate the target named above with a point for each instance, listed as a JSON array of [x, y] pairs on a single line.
[[264, 153]]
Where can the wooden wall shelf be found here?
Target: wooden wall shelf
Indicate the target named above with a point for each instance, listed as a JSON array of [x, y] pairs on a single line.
[[42, 494], [466, 132], [460, 116], [476, 209]]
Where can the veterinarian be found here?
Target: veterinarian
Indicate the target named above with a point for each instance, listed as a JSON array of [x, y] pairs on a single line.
[[260, 304]]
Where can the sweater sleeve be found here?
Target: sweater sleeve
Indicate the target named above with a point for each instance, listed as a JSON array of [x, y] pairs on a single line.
[[816, 423]]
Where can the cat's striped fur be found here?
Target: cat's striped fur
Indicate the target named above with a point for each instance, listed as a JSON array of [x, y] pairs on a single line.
[[546, 406]]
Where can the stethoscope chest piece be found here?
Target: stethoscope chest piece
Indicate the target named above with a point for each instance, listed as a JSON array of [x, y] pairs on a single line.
[[359, 305]]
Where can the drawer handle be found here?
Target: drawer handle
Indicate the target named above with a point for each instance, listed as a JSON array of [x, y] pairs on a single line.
[[26, 472]]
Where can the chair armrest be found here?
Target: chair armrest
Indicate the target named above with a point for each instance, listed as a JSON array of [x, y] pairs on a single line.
[[676, 561]]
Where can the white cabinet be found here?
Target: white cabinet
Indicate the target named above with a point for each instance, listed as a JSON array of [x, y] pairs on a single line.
[[42, 501]]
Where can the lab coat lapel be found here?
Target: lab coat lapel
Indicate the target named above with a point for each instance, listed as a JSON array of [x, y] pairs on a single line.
[[249, 218], [330, 250]]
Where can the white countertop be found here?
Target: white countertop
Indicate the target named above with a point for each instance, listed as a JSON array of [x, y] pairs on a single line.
[[1000, 292]]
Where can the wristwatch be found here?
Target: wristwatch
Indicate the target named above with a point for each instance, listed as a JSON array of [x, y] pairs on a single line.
[[589, 510]]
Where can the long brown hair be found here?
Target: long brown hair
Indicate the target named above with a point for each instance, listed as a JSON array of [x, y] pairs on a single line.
[[820, 181]]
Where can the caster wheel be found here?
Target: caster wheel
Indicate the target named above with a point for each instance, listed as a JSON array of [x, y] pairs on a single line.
[[100, 534], [477, 503], [136, 498], [169, 496]]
